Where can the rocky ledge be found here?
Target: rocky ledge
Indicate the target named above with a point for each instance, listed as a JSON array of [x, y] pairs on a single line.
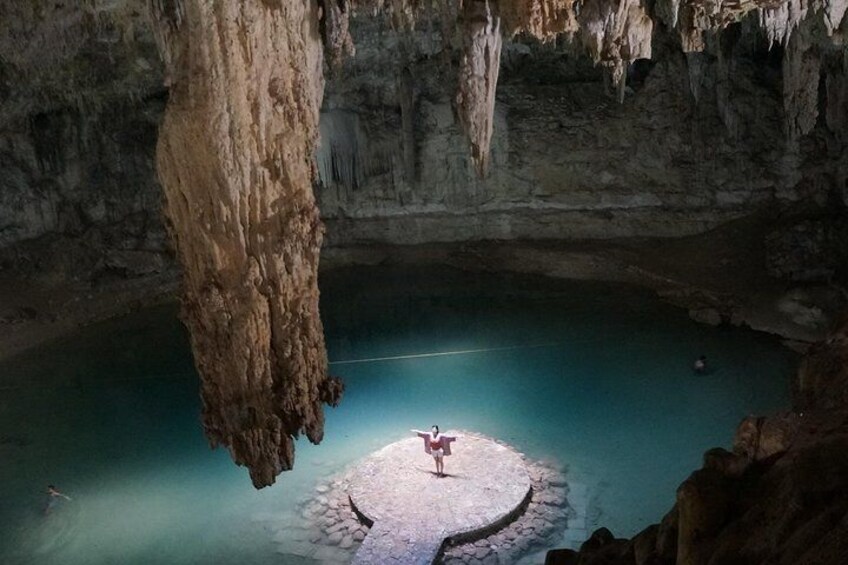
[[780, 496]]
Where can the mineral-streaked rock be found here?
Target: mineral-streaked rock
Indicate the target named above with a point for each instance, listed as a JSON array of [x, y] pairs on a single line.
[[235, 160], [479, 66]]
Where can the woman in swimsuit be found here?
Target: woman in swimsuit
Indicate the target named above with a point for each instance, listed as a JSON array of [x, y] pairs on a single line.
[[54, 496], [436, 445]]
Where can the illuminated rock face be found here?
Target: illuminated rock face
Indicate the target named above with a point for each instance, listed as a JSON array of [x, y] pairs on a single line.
[[478, 77], [235, 161]]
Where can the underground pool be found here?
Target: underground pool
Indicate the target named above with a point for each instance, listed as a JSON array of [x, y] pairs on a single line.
[[594, 379]]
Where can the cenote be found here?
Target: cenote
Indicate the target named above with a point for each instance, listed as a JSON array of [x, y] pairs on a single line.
[[593, 377]]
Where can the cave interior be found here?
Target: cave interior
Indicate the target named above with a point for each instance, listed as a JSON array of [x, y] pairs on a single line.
[[288, 227]]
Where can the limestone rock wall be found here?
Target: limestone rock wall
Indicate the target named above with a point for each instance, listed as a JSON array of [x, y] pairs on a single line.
[[81, 97], [86, 178], [699, 139]]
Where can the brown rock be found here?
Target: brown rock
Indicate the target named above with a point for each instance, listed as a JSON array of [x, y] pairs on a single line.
[[822, 379], [703, 503], [645, 545], [561, 557], [667, 535], [598, 539], [759, 438], [235, 160], [726, 463], [478, 77]]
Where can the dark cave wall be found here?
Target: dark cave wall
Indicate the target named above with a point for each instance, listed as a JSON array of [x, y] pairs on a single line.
[[699, 139], [89, 179], [81, 98]]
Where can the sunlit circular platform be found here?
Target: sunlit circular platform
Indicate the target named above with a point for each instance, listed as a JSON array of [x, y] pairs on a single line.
[[486, 484]]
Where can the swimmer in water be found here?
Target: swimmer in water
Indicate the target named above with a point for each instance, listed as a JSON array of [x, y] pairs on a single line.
[[436, 445], [54, 495], [700, 365]]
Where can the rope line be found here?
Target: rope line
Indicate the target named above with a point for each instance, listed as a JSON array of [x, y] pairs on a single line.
[[187, 374], [442, 353]]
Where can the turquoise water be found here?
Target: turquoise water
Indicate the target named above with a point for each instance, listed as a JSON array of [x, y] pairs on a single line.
[[591, 376]]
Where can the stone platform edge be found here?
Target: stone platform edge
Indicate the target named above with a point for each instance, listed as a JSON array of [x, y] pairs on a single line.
[[464, 537]]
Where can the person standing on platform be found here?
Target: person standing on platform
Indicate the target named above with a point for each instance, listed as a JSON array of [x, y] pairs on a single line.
[[437, 445]]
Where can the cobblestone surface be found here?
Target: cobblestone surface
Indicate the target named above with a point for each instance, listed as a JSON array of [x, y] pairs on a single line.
[[410, 531], [414, 511]]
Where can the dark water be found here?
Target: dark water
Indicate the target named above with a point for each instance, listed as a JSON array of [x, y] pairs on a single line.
[[592, 376]]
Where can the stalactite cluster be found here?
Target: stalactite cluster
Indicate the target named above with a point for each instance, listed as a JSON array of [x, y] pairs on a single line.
[[543, 19], [616, 33]]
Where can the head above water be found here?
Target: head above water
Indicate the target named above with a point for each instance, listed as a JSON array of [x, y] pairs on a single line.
[[435, 429]]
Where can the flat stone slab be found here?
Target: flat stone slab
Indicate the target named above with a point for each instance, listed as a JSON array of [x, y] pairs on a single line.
[[413, 511]]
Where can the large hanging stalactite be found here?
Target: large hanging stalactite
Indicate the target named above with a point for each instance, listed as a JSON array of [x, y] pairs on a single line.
[[478, 77], [235, 158]]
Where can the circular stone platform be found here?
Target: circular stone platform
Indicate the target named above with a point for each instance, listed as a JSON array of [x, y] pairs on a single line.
[[413, 511]]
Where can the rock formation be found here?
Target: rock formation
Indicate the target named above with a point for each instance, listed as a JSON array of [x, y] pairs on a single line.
[[616, 33], [780, 496], [235, 160], [479, 66], [562, 160]]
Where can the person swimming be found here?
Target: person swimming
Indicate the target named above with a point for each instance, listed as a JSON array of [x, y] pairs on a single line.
[[436, 445], [700, 365], [54, 497]]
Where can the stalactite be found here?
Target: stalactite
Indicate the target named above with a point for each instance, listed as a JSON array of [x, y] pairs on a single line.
[[695, 66], [406, 95], [235, 160], [478, 77], [801, 68], [668, 11], [836, 87], [780, 21], [341, 154], [335, 29], [616, 32], [543, 19], [834, 14]]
